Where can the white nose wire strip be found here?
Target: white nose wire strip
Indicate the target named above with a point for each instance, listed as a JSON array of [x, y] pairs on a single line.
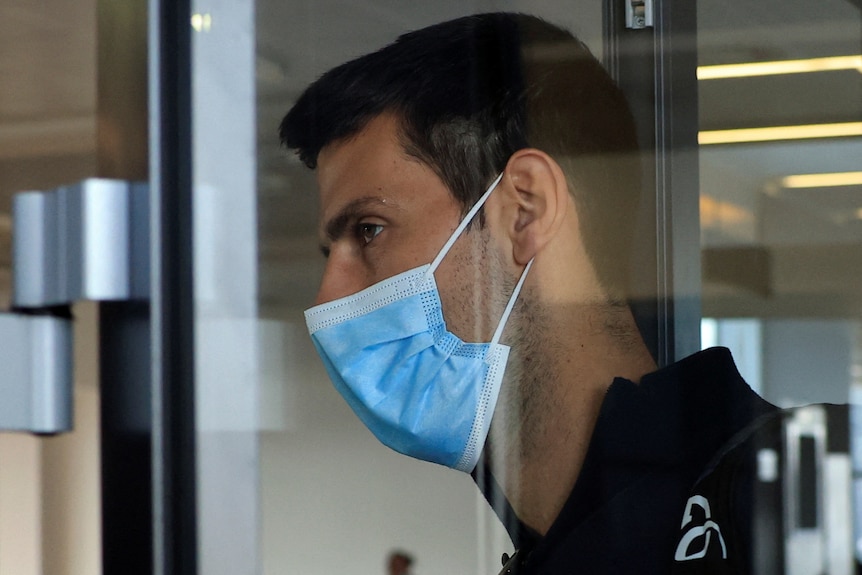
[[464, 223], [499, 332]]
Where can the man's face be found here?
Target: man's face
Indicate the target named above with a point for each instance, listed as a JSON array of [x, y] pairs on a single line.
[[384, 212]]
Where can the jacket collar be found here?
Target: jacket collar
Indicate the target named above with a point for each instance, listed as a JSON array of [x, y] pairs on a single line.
[[674, 420]]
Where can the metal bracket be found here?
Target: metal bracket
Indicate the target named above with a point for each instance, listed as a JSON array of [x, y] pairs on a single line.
[[639, 14], [87, 241]]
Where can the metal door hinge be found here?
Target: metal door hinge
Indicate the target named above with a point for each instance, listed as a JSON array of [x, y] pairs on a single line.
[[87, 241], [639, 14], [36, 378]]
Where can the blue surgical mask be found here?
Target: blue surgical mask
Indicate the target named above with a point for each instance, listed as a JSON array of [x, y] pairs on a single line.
[[419, 388]]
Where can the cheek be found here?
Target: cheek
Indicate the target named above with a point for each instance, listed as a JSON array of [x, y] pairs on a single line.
[[341, 278], [466, 280]]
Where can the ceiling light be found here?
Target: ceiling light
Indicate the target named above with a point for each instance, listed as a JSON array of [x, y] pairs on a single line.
[[202, 22], [780, 133], [779, 67], [822, 180]]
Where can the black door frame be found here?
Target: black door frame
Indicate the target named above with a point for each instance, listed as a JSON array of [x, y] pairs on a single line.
[[656, 68], [149, 515]]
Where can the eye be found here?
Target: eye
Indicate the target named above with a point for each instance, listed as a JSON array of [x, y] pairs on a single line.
[[367, 232]]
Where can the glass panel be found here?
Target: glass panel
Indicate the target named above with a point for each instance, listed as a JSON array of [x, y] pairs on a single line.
[[333, 498], [225, 290], [780, 99]]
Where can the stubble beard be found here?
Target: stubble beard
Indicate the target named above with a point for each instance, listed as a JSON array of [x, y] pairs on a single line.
[[526, 393], [521, 413]]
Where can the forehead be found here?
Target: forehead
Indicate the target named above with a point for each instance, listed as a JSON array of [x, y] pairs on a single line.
[[369, 153], [374, 164]]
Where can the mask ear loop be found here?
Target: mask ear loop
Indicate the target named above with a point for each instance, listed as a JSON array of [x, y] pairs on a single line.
[[454, 237], [464, 223], [511, 305]]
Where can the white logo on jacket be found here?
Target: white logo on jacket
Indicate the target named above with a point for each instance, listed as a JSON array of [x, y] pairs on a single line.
[[696, 540]]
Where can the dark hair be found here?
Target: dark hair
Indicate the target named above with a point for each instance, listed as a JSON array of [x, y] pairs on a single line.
[[472, 91]]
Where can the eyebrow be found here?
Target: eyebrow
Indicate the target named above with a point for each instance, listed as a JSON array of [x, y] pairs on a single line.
[[336, 227]]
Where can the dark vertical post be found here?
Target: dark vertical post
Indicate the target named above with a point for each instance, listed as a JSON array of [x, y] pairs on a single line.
[[174, 446], [124, 339]]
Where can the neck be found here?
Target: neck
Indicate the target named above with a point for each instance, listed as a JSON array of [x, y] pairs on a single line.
[[556, 386]]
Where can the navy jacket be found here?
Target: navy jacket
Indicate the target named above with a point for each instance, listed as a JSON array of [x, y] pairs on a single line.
[[655, 447]]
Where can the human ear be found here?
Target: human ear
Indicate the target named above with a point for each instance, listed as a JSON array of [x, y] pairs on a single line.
[[534, 202]]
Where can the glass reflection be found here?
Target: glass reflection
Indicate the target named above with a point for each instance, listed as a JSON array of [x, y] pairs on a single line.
[[781, 234]]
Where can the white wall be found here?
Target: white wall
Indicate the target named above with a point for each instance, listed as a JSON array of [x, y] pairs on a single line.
[[20, 505]]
